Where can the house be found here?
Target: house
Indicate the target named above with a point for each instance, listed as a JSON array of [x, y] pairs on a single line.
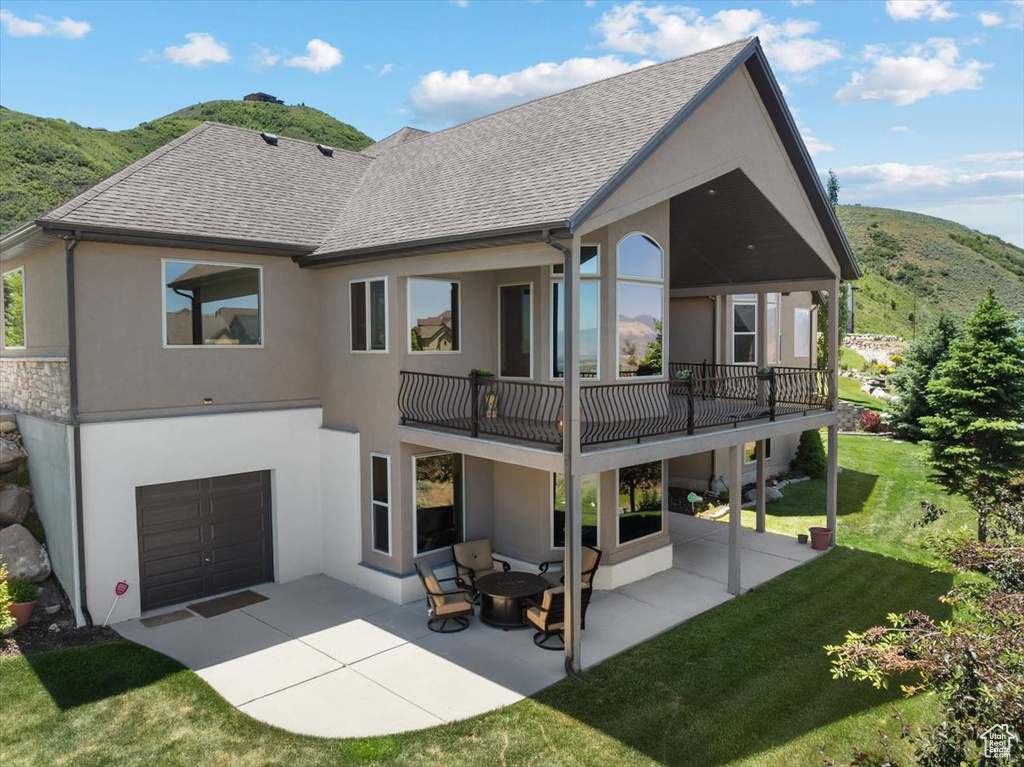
[[229, 327], [260, 96]]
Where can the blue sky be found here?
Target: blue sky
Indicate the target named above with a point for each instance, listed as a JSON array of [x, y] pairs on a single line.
[[917, 104]]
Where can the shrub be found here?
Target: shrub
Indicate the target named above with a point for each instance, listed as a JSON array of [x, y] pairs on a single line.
[[22, 591], [870, 421], [810, 456], [6, 619]]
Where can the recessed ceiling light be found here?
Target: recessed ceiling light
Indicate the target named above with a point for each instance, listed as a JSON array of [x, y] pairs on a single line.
[[711, 193], [750, 247]]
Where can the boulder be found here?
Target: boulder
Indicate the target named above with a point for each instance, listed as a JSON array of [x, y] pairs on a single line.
[[14, 504], [6, 427], [772, 494], [12, 455], [750, 496], [25, 558], [880, 393]]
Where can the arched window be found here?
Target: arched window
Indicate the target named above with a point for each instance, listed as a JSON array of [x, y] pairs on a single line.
[[640, 303]]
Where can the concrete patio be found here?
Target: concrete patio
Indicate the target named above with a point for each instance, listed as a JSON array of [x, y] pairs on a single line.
[[324, 658]]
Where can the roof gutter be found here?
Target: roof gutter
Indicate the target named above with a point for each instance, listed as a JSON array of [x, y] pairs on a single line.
[[132, 237]]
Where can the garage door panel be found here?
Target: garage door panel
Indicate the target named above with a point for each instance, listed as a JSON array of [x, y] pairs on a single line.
[[203, 536]]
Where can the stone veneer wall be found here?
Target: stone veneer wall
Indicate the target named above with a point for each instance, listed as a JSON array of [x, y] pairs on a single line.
[[39, 386]]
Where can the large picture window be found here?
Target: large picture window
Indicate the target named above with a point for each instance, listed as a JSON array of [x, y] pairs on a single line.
[[14, 308], [640, 501], [210, 304], [438, 501], [589, 342], [744, 328], [515, 316], [380, 502], [773, 342], [590, 509], [433, 316], [801, 332], [369, 312], [640, 304]]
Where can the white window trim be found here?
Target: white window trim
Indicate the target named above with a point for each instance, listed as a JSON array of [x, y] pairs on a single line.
[[533, 329], [408, 316], [597, 246], [768, 452], [551, 511], [618, 515], [24, 308], [163, 304], [630, 279], [374, 503], [369, 327], [462, 490], [552, 347], [778, 326], [732, 329]]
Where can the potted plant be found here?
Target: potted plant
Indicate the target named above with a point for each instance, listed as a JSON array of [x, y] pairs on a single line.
[[764, 373], [23, 600], [821, 537], [483, 375]]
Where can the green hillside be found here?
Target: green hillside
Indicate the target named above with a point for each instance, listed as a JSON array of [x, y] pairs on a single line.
[[47, 161], [942, 263]]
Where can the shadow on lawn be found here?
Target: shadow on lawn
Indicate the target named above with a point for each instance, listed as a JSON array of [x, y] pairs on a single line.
[[84, 675], [752, 674], [855, 487]]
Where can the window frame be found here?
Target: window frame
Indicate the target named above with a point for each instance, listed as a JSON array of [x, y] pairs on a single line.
[[776, 299], [553, 341], [767, 451], [551, 510], [583, 275], [645, 281], [533, 328], [462, 510], [24, 308], [369, 324], [732, 326], [408, 316], [618, 514], [163, 304], [802, 338], [388, 505]]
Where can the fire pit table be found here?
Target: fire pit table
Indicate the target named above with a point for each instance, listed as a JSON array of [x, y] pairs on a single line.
[[502, 596]]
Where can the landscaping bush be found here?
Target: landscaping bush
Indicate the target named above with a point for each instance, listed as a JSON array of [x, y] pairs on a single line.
[[6, 619], [870, 421], [810, 456], [22, 591]]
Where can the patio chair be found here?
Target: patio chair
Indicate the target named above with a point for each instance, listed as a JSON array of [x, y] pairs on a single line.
[[473, 560], [455, 605], [548, 618], [591, 558]]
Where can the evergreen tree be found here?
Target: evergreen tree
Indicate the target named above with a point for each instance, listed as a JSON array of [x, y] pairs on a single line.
[[910, 381], [976, 396], [833, 188], [844, 319]]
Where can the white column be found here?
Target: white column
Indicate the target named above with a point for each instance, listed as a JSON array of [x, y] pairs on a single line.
[[761, 500], [735, 503], [832, 476], [570, 451]]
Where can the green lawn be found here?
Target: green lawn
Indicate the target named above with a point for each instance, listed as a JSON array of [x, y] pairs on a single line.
[[849, 391], [852, 360], [744, 684]]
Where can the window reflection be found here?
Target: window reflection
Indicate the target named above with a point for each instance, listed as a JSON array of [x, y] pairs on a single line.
[[211, 304]]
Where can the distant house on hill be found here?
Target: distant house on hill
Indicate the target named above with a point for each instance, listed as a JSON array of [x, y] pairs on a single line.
[[258, 96]]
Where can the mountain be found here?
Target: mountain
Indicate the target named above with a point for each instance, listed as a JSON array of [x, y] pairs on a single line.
[[909, 257], [47, 161]]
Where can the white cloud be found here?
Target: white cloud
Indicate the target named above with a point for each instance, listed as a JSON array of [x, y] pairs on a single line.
[[461, 3], [993, 158], [262, 58], [320, 57], [912, 10], [815, 146], [931, 69], [796, 3], [443, 97], [43, 26], [200, 49], [386, 69], [672, 31], [900, 129], [989, 19]]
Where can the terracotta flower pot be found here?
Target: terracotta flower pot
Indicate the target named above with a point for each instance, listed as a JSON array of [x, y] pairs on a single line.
[[22, 611], [821, 537]]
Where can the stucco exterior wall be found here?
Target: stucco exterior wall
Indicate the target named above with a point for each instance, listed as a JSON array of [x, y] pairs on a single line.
[[46, 313]]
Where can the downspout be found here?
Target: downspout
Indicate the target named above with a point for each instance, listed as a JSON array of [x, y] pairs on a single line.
[[573, 548], [716, 312], [76, 432]]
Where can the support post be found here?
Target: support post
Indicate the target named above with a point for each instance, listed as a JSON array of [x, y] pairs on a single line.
[[761, 500], [832, 477], [735, 503], [761, 337]]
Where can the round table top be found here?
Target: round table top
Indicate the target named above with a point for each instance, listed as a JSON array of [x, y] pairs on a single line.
[[511, 584]]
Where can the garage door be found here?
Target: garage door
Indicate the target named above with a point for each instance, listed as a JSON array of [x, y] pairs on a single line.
[[203, 536]]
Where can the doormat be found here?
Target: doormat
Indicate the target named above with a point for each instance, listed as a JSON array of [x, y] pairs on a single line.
[[160, 620], [221, 605]]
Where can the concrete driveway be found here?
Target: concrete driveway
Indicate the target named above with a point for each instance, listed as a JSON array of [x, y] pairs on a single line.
[[321, 657]]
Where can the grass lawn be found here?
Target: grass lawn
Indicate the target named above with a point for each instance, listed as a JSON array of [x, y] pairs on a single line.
[[849, 391], [744, 684], [848, 358]]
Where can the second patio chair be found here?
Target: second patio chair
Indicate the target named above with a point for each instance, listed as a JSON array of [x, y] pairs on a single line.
[[455, 605], [473, 560]]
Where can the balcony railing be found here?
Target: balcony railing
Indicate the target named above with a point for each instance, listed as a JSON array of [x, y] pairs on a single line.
[[698, 397]]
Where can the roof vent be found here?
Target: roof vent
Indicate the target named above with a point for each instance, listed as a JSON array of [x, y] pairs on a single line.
[[270, 138], [326, 151]]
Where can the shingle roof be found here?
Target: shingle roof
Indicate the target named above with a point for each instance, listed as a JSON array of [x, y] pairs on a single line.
[[397, 138], [222, 182], [535, 163]]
